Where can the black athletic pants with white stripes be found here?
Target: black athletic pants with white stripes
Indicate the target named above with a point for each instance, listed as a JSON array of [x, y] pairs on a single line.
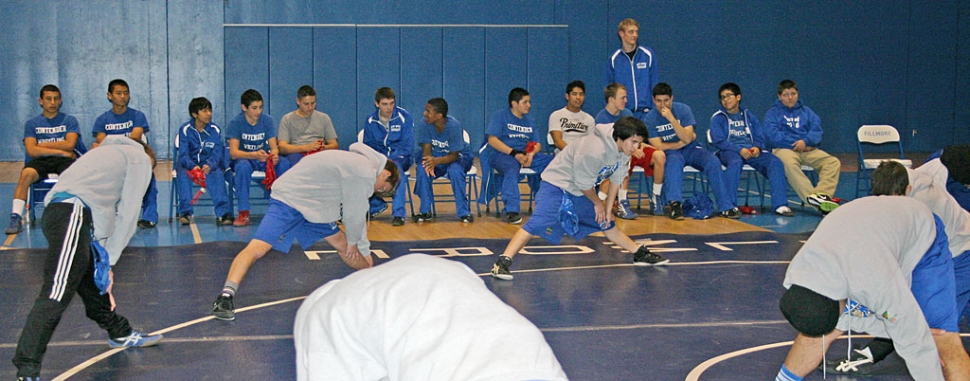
[[68, 269]]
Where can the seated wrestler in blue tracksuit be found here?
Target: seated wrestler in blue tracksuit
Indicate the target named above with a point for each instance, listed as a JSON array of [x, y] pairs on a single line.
[[200, 147]]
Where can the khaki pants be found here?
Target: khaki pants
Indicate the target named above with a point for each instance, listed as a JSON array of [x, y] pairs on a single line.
[[827, 166]]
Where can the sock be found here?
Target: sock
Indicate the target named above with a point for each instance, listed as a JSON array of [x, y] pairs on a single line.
[[657, 188], [230, 288], [623, 194], [18, 206], [786, 375], [602, 196], [507, 261]]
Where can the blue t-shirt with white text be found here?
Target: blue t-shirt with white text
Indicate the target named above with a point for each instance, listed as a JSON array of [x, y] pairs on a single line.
[[515, 132], [448, 141], [50, 130], [110, 123], [658, 126], [252, 138]]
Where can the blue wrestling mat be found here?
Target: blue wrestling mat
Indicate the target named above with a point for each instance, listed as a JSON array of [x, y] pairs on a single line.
[[711, 314]]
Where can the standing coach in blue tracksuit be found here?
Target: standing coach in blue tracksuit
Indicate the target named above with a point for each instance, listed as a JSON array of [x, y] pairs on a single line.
[[635, 67]]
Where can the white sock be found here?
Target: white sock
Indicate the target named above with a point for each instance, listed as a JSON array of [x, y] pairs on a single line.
[[657, 188], [18, 206], [623, 194], [602, 196]]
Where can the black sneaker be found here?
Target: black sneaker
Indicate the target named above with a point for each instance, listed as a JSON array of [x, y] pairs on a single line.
[[146, 224], [513, 218], [225, 220], [37, 378], [674, 210], [422, 217], [500, 269], [733, 213], [643, 257], [184, 219], [397, 221], [468, 218], [222, 308]]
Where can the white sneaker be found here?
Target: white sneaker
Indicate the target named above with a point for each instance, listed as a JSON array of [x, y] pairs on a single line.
[[785, 211]]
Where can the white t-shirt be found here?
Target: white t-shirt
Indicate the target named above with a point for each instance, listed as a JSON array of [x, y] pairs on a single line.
[[417, 317], [574, 125]]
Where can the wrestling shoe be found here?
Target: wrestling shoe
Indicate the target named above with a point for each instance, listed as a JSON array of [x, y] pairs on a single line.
[[468, 218], [28, 378], [643, 257], [222, 308], [733, 213], [656, 206], [674, 210], [377, 213], [500, 269], [861, 363], [784, 211], [146, 224], [16, 224], [397, 221], [184, 219], [242, 219], [822, 202], [135, 339], [422, 217], [513, 218], [225, 220], [624, 211]]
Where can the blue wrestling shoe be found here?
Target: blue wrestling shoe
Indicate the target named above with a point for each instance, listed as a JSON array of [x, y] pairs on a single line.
[[624, 211]]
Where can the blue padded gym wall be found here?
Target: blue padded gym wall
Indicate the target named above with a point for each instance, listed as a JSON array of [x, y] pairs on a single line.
[[899, 62]]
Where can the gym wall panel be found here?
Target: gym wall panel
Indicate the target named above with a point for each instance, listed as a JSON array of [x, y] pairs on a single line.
[[95, 53], [591, 39], [932, 69], [745, 52], [191, 35], [961, 125], [246, 67], [547, 74], [378, 65], [506, 66], [682, 50], [24, 69], [463, 79], [335, 79], [421, 64], [895, 62], [291, 12], [390, 12], [868, 92], [290, 66]]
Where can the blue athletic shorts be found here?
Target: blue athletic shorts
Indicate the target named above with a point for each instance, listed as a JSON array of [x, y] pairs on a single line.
[[283, 224], [934, 285], [545, 222]]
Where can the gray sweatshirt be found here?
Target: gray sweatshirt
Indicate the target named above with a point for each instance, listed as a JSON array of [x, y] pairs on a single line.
[[956, 220], [866, 251], [321, 183], [587, 162], [111, 180]]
